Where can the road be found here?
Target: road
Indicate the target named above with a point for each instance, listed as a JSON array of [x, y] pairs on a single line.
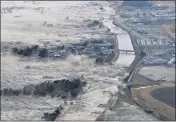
[[135, 35], [137, 66], [138, 61], [129, 30]]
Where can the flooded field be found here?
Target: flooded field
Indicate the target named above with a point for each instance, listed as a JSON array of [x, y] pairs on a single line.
[[158, 72], [49, 24]]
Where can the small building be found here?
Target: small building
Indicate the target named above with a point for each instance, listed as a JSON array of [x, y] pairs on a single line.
[[93, 55], [106, 52]]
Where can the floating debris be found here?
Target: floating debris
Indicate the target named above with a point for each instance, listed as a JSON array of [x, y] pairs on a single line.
[[60, 88]]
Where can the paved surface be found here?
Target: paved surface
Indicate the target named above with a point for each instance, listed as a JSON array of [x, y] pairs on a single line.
[[166, 95]]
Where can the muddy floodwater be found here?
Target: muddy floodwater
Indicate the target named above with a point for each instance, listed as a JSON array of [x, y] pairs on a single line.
[[49, 24]]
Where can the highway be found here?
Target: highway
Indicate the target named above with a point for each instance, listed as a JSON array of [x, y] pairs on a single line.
[[135, 35], [139, 61], [137, 66], [144, 58], [129, 30]]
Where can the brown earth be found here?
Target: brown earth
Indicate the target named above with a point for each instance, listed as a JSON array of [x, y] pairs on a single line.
[[143, 98]]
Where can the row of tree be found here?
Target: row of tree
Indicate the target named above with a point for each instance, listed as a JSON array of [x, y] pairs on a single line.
[[60, 88], [29, 51]]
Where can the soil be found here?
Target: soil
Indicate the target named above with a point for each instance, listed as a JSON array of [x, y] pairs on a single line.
[[144, 98]]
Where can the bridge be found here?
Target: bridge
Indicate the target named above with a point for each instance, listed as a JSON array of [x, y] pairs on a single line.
[[126, 51]]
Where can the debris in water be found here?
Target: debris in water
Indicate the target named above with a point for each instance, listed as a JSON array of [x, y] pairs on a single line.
[[52, 116], [59, 88]]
